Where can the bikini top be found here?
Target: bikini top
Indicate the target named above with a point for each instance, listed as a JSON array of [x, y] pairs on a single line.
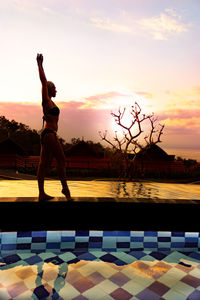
[[54, 111]]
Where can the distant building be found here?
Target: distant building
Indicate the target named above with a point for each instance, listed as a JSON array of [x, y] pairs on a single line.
[[8, 146], [152, 158], [154, 152], [82, 155], [81, 149], [78, 156], [11, 153]]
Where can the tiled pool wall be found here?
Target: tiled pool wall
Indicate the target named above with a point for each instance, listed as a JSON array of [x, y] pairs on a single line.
[[63, 241]]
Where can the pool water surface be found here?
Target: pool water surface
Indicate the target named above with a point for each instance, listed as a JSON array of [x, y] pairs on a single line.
[[101, 275], [95, 188]]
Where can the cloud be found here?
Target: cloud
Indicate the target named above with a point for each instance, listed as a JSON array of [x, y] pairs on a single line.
[[182, 128], [29, 114], [183, 99], [110, 100], [73, 122], [26, 6], [42, 7], [71, 104], [180, 114], [115, 99], [164, 26], [181, 123], [100, 101], [85, 117], [145, 94], [107, 24], [167, 24], [103, 96], [76, 121], [197, 90]]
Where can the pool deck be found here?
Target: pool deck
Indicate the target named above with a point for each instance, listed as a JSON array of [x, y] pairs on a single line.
[[27, 214], [12, 174]]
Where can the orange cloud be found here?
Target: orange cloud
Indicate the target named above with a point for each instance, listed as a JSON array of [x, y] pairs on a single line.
[[184, 98], [181, 126], [180, 114], [71, 104]]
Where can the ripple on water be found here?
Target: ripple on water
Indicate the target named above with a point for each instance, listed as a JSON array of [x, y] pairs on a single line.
[[24, 188]]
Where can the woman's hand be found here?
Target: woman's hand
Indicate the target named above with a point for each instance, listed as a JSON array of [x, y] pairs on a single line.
[[39, 59]]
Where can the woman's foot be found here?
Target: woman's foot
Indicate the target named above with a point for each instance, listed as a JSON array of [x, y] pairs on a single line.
[[66, 192], [44, 197]]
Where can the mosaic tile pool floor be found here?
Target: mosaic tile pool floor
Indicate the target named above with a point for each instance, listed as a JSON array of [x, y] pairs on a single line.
[[135, 275]]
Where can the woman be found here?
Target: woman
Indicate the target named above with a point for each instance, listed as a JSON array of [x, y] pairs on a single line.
[[50, 145]]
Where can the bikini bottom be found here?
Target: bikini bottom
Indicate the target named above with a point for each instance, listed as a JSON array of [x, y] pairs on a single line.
[[45, 131]]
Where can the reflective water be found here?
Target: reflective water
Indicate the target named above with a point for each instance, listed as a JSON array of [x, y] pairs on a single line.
[[95, 188], [100, 275]]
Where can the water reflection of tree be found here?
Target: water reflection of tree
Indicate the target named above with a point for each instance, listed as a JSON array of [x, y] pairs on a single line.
[[121, 187], [135, 190]]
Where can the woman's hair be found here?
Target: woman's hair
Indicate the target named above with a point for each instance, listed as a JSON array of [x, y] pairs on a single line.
[[50, 85]]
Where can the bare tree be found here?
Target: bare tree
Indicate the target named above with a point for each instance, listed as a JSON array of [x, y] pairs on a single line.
[[129, 142]]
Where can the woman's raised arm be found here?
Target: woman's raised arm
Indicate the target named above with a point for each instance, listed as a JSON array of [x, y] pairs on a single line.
[[43, 79]]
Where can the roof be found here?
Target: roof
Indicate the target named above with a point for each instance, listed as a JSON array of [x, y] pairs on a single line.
[[81, 149], [8, 146], [154, 152]]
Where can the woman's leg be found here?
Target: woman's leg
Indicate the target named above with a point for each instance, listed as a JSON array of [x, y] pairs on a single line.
[[59, 155], [45, 158]]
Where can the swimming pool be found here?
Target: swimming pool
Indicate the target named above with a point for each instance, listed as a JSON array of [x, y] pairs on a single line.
[[104, 265]]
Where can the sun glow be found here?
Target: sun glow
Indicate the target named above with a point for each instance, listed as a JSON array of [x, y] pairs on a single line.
[[124, 114]]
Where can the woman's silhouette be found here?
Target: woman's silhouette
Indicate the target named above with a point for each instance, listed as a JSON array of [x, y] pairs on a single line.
[[50, 145]]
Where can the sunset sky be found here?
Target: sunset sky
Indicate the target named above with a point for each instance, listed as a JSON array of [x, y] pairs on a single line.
[[102, 55]]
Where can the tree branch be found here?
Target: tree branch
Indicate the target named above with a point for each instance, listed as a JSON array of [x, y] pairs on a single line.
[[128, 137]]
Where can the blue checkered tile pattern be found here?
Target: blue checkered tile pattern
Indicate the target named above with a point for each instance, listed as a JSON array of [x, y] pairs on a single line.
[[62, 241], [100, 275]]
